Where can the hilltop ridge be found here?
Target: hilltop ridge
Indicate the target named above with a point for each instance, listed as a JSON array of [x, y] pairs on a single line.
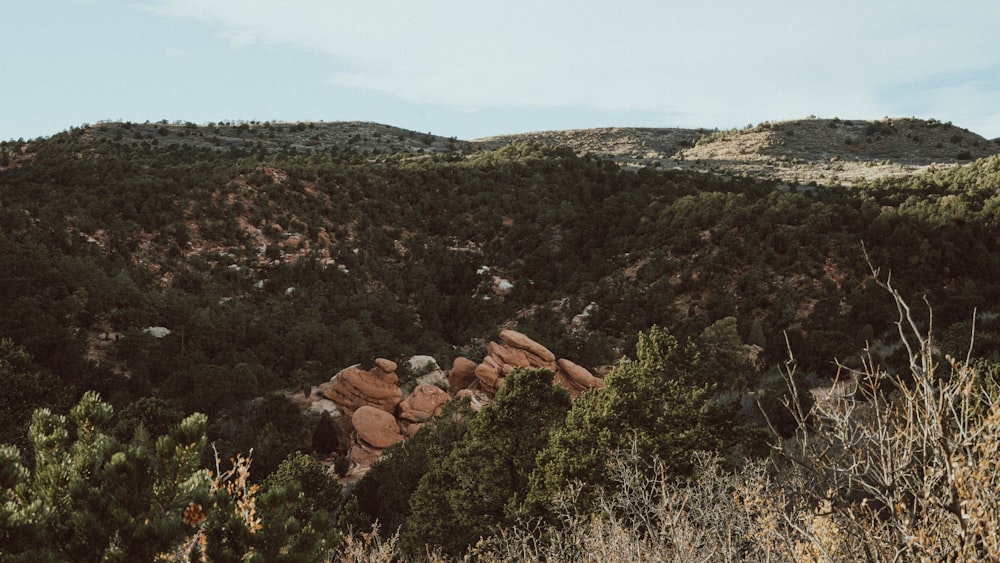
[[811, 150]]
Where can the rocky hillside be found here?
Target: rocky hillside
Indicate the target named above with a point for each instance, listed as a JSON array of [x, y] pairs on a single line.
[[375, 411], [824, 151], [301, 137], [805, 151]]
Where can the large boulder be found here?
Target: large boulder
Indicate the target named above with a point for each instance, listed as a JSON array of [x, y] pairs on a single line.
[[428, 371], [376, 427], [515, 350], [354, 387], [488, 373], [575, 378], [425, 402], [462, 373], [518, 340]]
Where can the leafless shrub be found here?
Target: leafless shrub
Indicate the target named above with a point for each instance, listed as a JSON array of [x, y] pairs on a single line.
[[906, 467], [717, 516]]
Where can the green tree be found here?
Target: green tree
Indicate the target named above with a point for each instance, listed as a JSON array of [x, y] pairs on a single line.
[[481, 484], [326, 436], [92, 498], [384, 493], [25, 387], [657, 403], [724, 361]]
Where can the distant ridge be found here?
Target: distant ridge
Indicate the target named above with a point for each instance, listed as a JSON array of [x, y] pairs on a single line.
[[811, 150]]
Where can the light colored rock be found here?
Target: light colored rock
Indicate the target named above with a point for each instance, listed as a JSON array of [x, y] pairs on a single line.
[[376, 427], [321, 405], [157, 331], [430, 373], [477, 398], [436, 378], [421, 364]]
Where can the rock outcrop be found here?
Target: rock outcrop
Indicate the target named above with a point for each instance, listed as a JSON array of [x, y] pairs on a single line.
[[376, 427], [514, 351], [425, 402], [353, 388], [461, 374], [575, 378], [375, 416]]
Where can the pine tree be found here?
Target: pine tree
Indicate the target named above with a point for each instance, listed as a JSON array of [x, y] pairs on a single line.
[[480, 485], [658, 404], [93, 498]]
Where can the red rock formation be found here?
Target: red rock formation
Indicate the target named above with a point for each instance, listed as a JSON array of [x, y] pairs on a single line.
[[518, 340], [425, 402], [575, 378], [462, 374], [376, 427], [354, 387]]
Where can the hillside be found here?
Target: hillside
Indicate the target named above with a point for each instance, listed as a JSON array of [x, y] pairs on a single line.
[[221, 269], [821, 151]]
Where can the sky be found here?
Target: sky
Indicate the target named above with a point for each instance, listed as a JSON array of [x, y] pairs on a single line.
[[471, 69]]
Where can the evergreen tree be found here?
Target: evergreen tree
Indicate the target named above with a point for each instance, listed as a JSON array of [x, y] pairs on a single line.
[[481, 484], [658, 401], [326, 437], [384, 492], [92, 498]]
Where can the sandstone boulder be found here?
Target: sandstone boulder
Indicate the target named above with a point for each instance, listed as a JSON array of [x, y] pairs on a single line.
[[376, 427], [518, 340], [488, 373], [575, 378], [354, 387], [462, 373], [425, 402], [509, 355], [387, 366]]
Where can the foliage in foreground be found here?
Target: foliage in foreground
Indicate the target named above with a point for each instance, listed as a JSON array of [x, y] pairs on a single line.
[[91, 497]]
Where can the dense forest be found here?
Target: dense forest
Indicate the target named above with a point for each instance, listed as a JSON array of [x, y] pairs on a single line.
[[157, 288]]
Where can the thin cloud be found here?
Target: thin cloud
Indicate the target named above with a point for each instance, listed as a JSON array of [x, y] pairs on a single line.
[[730, 60]]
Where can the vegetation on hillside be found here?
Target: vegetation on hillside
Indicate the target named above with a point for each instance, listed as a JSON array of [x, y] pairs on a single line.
[[175, 278]]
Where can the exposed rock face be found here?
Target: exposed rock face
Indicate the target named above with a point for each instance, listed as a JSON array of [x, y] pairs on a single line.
[[518, 340], [354, 387], [575, 378], [376, 427], [425, 402], [429, 370], [514, 351], [462, 373], [370, 399], [518, 351]]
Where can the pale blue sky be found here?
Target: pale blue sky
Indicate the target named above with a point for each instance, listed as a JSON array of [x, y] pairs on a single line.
[[471, 69]]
